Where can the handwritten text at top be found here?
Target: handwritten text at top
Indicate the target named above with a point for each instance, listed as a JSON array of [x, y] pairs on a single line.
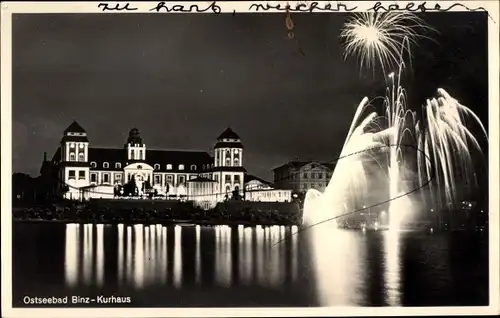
[[312, 6]]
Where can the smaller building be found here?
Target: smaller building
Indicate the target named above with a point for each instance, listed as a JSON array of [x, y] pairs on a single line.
[[301, 176], [259, 190], [97, 191]]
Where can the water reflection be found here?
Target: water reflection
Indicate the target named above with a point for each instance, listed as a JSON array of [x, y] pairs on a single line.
[[341, 280], [87, 253], [223, 256], [198, 256], [71, 254], [100, 255], [141, 255], [177, 256], [121, 238], [138, 257], [392, 267]]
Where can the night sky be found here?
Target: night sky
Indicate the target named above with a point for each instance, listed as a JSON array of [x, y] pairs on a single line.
[[182, 79]]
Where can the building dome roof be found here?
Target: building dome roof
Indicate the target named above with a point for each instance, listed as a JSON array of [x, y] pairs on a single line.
[[228, 134], [74, 128], [134, 136]]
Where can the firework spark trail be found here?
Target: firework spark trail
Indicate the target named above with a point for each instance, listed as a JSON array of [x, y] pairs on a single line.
[[382, 38], [449, 142]]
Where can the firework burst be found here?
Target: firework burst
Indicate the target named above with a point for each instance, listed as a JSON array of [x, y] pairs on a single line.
[[383, 38]]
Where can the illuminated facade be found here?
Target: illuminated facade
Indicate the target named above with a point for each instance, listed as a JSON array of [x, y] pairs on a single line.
[[86, 172]]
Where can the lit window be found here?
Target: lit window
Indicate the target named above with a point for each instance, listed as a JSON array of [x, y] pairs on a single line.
[[157, 166], [93, 164], [181, 167], [105, 165], [118, 165], [193, 167], [169, 167]]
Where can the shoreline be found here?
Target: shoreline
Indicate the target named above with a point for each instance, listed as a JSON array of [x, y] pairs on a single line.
[[165, 222]]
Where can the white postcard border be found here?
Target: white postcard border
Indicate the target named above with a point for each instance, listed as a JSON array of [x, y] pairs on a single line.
[[7, 9]]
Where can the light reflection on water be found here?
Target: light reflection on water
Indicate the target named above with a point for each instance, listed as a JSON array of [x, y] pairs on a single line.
[[393, 265], [238, 266], [142, 255]]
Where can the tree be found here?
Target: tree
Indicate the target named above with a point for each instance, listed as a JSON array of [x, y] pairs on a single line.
[[64, 189]]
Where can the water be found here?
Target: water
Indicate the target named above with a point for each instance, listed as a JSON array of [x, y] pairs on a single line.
[[171, 266]]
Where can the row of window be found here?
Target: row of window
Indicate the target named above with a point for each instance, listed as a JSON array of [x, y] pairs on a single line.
[[305, 175], [316, 175], [306, 186], [72, 156], [236, 159], [73, 145], [132, 155], [157, 166], [72, 175], [157, 178]]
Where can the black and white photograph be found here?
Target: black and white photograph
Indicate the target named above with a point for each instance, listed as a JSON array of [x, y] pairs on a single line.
[[243, 156]]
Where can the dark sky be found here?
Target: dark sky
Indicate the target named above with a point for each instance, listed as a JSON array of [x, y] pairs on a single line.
[[182, 79]]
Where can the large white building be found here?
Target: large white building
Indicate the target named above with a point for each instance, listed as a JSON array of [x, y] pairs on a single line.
[[86, 172]]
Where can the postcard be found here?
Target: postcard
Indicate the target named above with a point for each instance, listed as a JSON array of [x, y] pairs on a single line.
[[233, 158]]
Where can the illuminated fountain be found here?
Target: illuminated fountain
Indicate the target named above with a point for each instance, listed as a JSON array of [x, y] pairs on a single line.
[[434, 149]]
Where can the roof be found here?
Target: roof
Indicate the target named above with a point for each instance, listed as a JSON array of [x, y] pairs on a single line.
[[75, 128], [300, 164], [201, 160], [250, 177], [228, 134], [293, 164]]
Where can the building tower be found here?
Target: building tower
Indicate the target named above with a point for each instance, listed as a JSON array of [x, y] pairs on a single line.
[[136, 149], [74, 169], [228, 163]]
